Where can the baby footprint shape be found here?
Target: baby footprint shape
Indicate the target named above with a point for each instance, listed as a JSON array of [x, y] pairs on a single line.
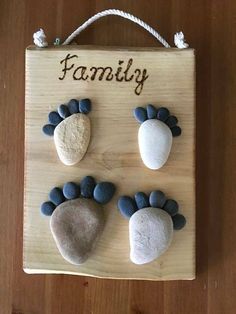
[[71, 129], [152, 221], [155, 135], [77, 218]]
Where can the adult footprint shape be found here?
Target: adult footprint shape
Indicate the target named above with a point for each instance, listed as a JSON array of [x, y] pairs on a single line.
[[70, 127], [152, 221], [155, 135], [77, 217]]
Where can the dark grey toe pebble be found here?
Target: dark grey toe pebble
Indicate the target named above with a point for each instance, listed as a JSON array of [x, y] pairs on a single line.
[[141, 200], [103, 192], [171, 121], [176, 130], [48, 129], [179, 221], [163, 114], [56, 196], [73, 106], [171, 207], [157, 199], [71, 190], [85, 105], [63, 111], [54, 118], [47, 208], [127, 206], [87, 186], [151, 112], [140, 114]]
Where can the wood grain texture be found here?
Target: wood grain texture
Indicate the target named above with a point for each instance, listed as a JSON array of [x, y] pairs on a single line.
[[209, 27], [113, 153]]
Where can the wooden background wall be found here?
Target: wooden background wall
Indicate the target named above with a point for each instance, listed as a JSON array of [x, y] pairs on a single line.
[[210, 27]]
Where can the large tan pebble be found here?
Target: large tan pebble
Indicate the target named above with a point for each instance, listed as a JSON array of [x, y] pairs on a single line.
[[72, 137], [76, 226], [150, 234], [155, 141]]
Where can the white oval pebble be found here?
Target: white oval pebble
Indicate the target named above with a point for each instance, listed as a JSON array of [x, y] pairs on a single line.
[[150, 234], [155, 141], [72, 137]]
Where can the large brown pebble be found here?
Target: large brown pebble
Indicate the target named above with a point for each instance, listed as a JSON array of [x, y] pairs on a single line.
[[76, 226]]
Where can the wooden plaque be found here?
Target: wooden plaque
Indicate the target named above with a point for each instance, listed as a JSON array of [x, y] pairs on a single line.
[[162, 77]]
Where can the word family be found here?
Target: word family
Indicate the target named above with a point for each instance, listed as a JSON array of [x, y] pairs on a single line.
[[124, 71]]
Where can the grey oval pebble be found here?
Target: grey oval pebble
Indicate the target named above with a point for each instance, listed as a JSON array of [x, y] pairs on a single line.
[[47, 208], [73, 106], [63, 111], [176, 131], [85, 105], [127, 206], [162, 114], [171, 207], [103, 192], [87, 186], [157, 199], [56, 196], [54, 118], [171, 121], [140, 114], [48, 129], [141, 200], [71, 190], [179, 221], [151, 112]]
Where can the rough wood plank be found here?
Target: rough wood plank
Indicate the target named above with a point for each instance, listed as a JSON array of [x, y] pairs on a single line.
[[113, 152], [209, 27]]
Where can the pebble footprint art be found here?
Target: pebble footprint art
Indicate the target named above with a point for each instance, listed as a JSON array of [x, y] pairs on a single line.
[[152, 221], [155, 134], [70, 127], [77, 217]]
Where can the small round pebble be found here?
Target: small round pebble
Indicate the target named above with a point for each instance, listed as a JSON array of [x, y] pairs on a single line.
[[171, 121], [157, 199], [87, 186], [48, 129], [47, 208], [54, 118], [171, 207], [73, 106], [56, 196], [151, 112], [103, 192], [127, 206], [85, 105], [71, 190], [141, 200], [176, 131], [140, 114], [179, 221], [163, 114], [63, 111]]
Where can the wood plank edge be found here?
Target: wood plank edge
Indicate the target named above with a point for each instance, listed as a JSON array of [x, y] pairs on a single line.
[[34, 271], [107, 48]]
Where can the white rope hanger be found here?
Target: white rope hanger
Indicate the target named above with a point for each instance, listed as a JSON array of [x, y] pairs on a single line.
[[40, 37]]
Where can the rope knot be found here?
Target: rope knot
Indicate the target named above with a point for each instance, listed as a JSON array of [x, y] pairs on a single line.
[[40, 38], [180, 41]]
